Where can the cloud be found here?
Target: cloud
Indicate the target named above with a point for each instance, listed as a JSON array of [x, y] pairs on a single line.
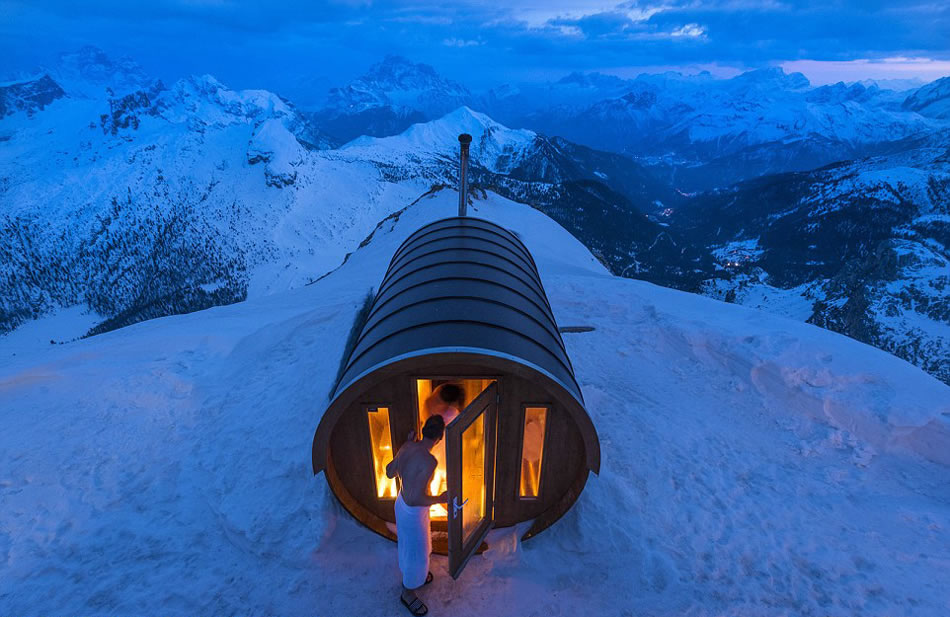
[[460, 43], [689, 30]]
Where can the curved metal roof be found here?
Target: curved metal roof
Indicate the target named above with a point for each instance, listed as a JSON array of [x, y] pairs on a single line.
[[462, 283]]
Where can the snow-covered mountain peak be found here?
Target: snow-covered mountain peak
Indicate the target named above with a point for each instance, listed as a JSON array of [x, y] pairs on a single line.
[[842, 92], [29, 96], [772, 77], [89, 71], [674, 77], [208, 89], [400, 86], [494, 146], [592, 80], [207, 100], [897, 85], [466, 120], [399, 73], [932, 100]]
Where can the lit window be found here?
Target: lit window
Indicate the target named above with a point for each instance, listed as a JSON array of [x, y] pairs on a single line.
[[532, 450], [381, 441], [473, 476]]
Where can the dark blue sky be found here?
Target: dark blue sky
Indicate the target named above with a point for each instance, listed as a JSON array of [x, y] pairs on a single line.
[[281, 45]]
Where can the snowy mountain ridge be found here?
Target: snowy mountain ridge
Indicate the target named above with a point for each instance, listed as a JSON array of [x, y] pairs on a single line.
[[403, 84], [29, 95], [494, 147], [931, 100], [860, 247], [175, 198], [389, 97], [700, 131], [170, 199]]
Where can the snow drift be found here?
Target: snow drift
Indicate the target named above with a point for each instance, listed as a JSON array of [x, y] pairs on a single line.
[[751, 464]]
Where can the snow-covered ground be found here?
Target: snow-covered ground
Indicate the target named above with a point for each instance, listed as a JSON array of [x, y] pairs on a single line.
[[752, 465]]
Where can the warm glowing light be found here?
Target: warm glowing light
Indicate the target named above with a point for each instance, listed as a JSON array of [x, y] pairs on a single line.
[[471, 388], [473, 476], [437, 487], [381, 442], [532, 450]]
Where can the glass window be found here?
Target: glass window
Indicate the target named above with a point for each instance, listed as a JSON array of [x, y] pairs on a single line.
[[381, 442], [473, 476], [532, 450]]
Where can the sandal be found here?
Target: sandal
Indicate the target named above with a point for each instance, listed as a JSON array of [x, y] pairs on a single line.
[[416, 607], [429, 578]]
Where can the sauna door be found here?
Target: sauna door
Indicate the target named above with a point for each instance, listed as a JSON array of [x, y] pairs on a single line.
[[470, 467]]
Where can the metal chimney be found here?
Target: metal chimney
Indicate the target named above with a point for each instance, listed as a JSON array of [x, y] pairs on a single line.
[[464, 140]]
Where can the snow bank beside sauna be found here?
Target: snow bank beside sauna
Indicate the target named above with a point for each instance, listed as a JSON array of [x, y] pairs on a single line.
[[751, 464]]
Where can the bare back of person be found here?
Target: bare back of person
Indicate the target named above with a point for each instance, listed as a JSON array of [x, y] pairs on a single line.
[[414, 464]]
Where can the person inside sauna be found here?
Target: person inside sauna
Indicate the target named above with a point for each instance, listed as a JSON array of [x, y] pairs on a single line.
[[447, 400]]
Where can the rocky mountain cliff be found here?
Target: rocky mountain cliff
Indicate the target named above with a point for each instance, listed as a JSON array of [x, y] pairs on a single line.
[[394, 94]]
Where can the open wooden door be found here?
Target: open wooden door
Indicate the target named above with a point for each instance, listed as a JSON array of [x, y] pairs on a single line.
[[470, 467]]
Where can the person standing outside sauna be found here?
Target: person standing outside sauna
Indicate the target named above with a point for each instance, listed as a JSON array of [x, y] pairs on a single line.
[[414, 465]]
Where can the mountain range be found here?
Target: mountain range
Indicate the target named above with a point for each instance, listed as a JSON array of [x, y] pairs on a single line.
[[695, 131], [135, 199]]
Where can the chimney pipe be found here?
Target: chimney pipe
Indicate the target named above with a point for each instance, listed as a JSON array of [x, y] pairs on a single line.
[[464, 140]]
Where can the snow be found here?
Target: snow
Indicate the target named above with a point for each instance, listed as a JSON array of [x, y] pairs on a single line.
[[738, 251], [61, 326], [750, 291], [752, 465], [490, 141], [889, 185]]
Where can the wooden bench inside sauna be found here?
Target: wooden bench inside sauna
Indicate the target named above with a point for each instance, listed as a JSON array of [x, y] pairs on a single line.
[[461, 304]]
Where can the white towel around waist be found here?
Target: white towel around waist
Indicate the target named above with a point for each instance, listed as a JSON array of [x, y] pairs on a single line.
[[414, 539]]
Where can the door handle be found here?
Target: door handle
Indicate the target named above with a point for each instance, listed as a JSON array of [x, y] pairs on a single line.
[[456, 508]]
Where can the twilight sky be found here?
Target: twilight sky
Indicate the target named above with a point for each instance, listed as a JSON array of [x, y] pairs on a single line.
[[289, 45]]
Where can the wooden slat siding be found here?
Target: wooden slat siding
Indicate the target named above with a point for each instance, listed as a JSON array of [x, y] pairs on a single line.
[[427, 271], [450, 224], [353, 454], [468, 289], [470, 240], [371, 519], [463, 240], [557, 510]]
